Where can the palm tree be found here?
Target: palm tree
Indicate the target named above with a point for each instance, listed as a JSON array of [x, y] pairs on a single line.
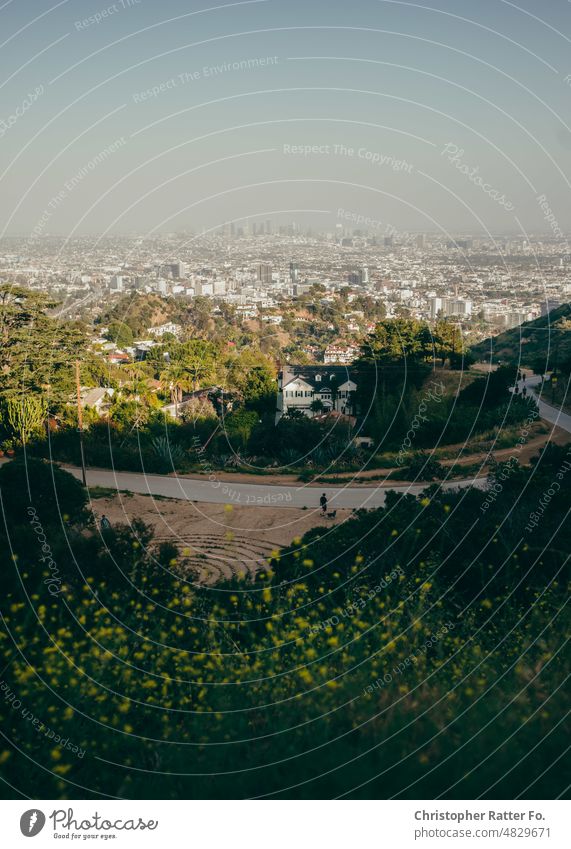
[[175, 379]]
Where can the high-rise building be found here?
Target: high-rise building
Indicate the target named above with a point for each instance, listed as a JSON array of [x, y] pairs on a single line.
[[450, 306], [359, 278], [458, 306], [116, 284], [293, 272], [264, 273], [436, 307]]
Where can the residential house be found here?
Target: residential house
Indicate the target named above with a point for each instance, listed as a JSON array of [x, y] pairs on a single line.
[[99, 398], [162, 329], [340, 354], [300, 386]]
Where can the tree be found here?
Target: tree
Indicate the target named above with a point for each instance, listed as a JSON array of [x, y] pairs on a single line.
[[121, 334], [156, 358], [199, 358], [25, 415], [46, 490], [238, 428], [198, 409], [316, 406], [260, 390], [461, 361], [395, 341], [36, 351], [175, 379]]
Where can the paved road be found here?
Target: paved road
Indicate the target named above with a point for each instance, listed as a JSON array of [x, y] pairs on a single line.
[[546, 411], [261, 495], [265, 494]]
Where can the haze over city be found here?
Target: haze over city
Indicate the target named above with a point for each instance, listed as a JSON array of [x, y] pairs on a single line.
[[184, 118]]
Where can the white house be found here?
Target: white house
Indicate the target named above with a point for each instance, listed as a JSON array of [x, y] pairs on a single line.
[[169, 327], [300, 386], [340, 354], [99, 398]]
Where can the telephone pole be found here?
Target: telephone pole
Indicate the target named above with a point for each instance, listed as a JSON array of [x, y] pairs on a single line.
[[80, 423]]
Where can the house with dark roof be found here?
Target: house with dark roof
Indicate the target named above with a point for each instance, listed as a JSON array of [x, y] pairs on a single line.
[[300, 386]]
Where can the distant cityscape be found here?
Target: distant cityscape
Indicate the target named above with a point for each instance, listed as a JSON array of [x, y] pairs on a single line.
[[262, 271]]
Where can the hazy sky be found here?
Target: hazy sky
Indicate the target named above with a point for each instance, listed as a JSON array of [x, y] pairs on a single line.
[[85, 148]]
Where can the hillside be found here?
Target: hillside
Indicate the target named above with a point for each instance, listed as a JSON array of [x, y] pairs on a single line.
[[544, 342]]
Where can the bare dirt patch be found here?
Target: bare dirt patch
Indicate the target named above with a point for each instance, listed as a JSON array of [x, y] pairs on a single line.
[[216, 541]]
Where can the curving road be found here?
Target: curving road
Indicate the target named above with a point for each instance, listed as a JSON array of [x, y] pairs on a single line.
[[215, 491], [551, 414], [254, 495]]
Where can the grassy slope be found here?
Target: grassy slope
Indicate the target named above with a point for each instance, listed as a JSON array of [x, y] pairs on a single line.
[[533, 340]]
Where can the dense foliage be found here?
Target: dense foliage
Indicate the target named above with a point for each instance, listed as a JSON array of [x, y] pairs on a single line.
[[379, 658]]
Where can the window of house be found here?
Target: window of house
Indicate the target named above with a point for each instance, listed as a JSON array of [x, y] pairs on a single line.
[[318, 378]]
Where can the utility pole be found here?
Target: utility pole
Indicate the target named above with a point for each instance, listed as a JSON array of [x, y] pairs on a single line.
[[80, 423]]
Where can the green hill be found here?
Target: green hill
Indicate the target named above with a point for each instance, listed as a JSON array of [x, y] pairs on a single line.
[[544, 342]]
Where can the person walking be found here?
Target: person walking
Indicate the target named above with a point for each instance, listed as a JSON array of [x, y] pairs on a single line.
[[323, 502], [105, 524]]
